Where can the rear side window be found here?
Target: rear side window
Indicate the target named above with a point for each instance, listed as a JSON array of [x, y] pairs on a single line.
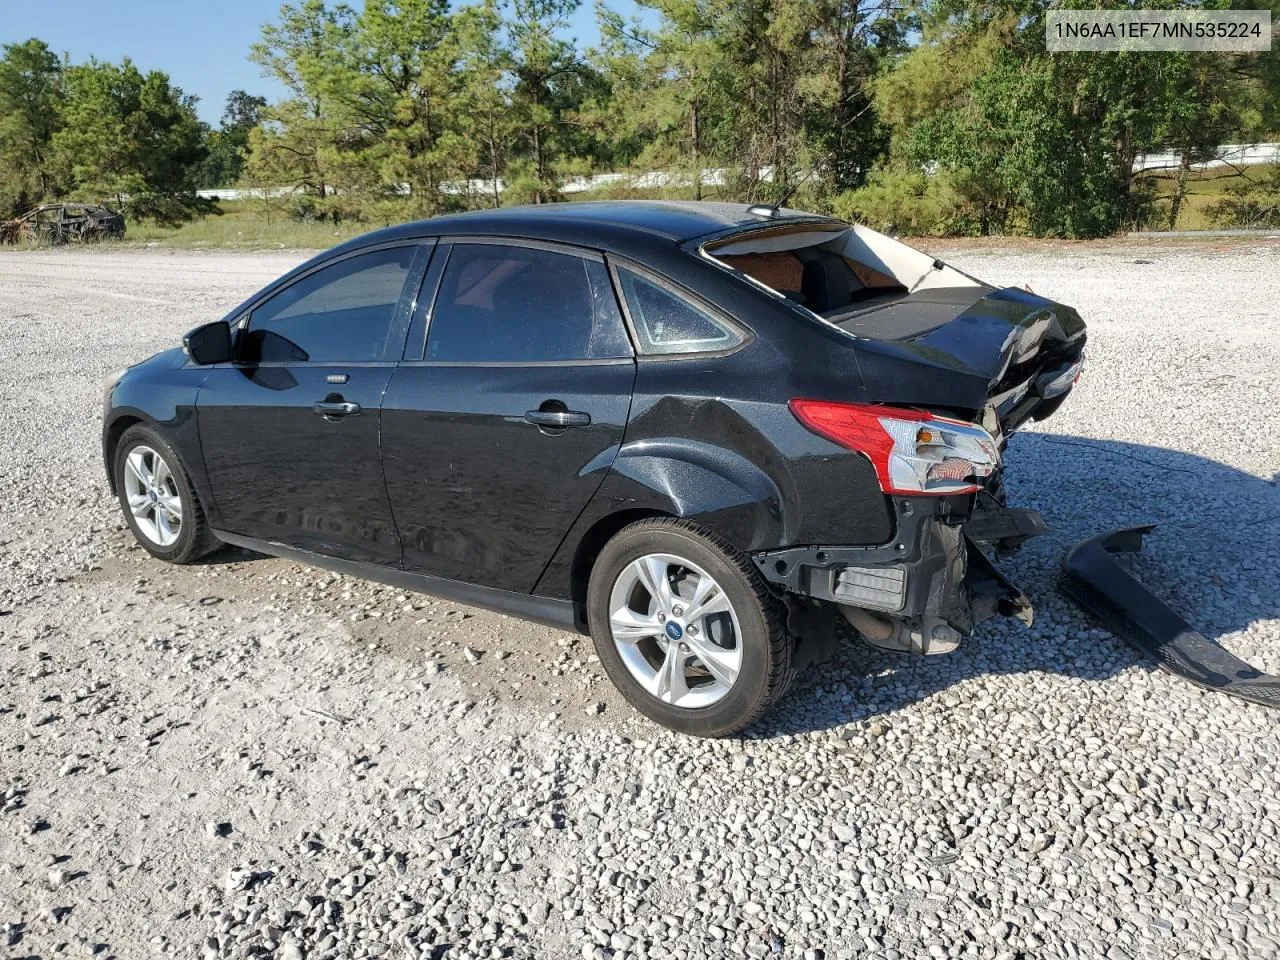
[[342, 313], [666, 322], [512, 304]]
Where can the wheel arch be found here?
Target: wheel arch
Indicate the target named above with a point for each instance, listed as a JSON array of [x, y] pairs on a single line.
[[588, 549], [713, 486], [717, 489], [111, 435], [179, 433]]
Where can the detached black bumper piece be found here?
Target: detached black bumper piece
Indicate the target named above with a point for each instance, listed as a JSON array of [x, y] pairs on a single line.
[[1093, 579]]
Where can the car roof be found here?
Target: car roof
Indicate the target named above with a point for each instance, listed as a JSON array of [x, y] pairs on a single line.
[[648, 231], [598, 222]]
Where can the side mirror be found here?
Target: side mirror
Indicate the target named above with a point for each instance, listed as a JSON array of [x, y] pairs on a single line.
[[210, 343]]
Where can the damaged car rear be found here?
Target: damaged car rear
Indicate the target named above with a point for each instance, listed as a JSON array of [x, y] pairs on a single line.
[[709, 435], [927, 374]]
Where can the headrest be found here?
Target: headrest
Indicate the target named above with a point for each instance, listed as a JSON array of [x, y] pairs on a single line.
[[827, 282]]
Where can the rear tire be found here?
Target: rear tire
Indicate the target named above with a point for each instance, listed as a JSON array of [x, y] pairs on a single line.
[[159, 503], [711, 655]]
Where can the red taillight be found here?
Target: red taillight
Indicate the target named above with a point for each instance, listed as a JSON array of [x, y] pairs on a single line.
[[913, 452], [856, 426]]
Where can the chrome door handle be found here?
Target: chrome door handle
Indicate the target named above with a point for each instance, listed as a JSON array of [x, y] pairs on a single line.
[[558, 418], [335, 408]]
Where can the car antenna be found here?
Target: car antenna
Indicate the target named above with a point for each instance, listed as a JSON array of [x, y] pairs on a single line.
[[771, 210]]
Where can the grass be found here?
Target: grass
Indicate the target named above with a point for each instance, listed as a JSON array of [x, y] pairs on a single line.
[[1204, 188], [244, 225]]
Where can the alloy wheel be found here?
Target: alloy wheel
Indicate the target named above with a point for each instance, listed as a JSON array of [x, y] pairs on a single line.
[[152, 492], [675, 630]]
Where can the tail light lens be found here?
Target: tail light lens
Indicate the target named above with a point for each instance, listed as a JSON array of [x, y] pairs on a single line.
[[913, 452]]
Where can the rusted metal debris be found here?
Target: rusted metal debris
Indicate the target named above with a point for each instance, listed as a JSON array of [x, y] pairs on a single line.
[[51, 224]]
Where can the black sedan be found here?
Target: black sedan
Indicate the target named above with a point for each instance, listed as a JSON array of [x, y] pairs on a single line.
[[707, 434]]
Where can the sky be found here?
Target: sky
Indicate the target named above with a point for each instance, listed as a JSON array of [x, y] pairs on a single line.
[[203, 46]]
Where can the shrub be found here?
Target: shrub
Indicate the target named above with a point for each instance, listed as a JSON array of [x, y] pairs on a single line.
[[913, 202], [169, 209], [1253, 204], [304, 208]]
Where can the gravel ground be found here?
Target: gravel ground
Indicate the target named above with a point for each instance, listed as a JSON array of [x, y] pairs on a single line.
[[250, 758]]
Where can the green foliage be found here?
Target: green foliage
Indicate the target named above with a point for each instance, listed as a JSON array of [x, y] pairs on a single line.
[[291, 147], [665, 94], [228, 145], [129, 135], [913, 203], [1036, 164], [547, 81], [391, 84], [487, 120], [99, 131], [1048, 142], [31, 97], [938, 116], [1249, 204]]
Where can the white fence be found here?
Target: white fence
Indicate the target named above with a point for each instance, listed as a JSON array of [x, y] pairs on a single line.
[[246, 193], [1229, 155]]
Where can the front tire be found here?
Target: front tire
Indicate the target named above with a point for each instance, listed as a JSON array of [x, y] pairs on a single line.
[[686, 629], [159, 503]]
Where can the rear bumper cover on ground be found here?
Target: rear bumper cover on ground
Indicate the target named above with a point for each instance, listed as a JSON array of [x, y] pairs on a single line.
[[1092, 578]]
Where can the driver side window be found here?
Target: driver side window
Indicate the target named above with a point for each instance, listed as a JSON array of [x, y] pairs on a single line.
[[342, 313]]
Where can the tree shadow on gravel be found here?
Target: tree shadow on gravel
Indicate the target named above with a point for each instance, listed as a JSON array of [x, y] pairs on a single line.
[[1214, 558]]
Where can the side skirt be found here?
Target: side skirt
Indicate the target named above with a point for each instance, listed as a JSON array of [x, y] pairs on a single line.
[[544, 610]]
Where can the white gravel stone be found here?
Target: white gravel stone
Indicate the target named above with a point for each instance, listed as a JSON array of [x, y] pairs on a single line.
[[1040, 792]]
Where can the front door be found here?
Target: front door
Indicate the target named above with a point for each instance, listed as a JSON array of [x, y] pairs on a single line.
[[290, 430], [497, 436]]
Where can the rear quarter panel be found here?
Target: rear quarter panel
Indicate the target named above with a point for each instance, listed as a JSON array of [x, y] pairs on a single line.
[[711, 439]]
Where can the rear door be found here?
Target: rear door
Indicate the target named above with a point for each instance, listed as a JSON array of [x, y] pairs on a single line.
[[290, 430], [498, 432]]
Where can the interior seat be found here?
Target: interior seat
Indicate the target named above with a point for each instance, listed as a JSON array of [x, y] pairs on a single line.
[[827, 282]]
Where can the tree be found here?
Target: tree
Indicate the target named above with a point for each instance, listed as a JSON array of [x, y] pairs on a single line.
[[373, 107], [771, 90], [396, 88], [227, 146], [396, 109], [31, 96], [852, 41], [129, 134], [1047, 143], [485, 95], [547, 72], [291, 142], [663, 88]]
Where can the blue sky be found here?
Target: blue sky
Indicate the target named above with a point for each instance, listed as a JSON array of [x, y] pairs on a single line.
[[203, 46]]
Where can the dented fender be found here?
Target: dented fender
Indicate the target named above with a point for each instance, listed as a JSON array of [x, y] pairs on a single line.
[[719, 488]]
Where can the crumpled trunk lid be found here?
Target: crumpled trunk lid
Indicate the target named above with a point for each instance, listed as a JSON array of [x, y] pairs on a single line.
[[1009, 349]]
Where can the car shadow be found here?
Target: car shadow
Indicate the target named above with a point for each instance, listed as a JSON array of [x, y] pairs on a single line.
[[1214, 558], [225, 554]]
